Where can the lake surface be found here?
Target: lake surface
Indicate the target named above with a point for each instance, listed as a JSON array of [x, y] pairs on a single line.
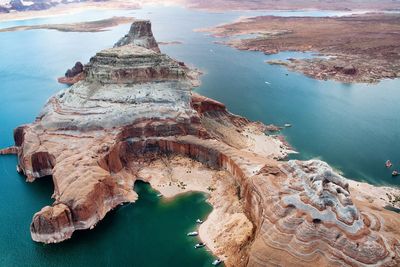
[[355, 128]]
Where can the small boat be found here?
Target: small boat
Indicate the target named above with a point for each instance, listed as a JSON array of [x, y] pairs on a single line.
[[159, 195], [288, 125], [193, 233], [216, 262], [267, 83], [395, 173], [388, 164], [199, 221], [199, 245]]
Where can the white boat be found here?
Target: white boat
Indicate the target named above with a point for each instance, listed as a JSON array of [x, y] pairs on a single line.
[[216, 262], [388, 164], [192, 233], [288, 125], [199, 245], [159, 195], [199, 221]]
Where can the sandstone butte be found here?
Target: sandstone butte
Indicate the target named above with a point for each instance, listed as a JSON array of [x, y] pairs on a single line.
[[133, 117]]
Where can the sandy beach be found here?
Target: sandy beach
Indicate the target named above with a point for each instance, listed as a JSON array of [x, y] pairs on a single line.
[[382, 196], [227, 228]]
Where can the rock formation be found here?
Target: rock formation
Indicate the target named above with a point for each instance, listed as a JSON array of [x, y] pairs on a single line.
[[76, 69], [135, 106], [140, 34], [309, 218], [73, 75]]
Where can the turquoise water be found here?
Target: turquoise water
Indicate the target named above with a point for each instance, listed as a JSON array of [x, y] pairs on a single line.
[[355, 128], [138, 234]]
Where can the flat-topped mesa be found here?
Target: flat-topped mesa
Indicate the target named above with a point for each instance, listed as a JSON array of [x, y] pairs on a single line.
[[125, 60], [121, 85], [132, 64], [140, 34]]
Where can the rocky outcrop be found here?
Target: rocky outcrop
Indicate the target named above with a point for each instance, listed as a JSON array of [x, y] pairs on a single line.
[[140, 34], [76, 69], [73, 75], [9, 150], [128, 65], [345, 69], [71, 80], [47, 223], [135, 106]]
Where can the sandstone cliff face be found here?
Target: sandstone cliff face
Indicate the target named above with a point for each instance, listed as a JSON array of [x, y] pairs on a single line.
[[132, 64], [134, 106]]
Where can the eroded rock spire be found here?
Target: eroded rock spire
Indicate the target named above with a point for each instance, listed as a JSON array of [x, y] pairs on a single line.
[[140, 34]]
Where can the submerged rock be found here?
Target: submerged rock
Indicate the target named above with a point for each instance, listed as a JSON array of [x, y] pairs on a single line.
[[133, 106]]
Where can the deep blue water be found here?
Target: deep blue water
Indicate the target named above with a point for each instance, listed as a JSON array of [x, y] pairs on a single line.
[[355, 128]]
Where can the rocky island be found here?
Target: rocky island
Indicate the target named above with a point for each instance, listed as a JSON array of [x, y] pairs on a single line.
[[132, 116], [357, 48]]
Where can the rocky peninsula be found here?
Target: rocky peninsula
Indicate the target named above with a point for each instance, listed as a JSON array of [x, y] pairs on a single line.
[[358, 48], [88, 26], [133, 117]]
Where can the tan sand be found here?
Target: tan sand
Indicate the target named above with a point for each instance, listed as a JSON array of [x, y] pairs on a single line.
[[380, 195]]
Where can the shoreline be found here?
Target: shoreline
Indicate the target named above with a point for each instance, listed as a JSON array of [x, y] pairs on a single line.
[[67, 9], [90, 26], [352, 47], [74, 8]]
